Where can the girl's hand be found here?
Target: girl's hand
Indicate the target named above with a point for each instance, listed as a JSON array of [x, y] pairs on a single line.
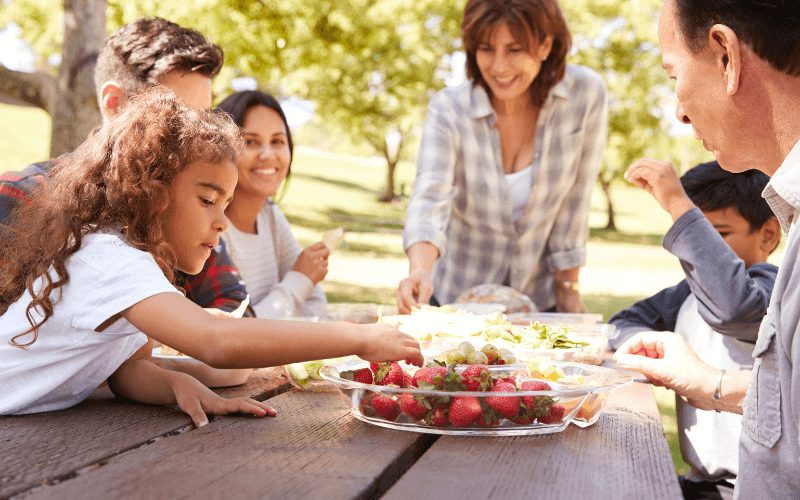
[[386, 343], [198, 400], [313, 262]]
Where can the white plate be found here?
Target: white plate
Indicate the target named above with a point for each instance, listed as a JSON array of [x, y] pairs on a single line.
[[208, 376]]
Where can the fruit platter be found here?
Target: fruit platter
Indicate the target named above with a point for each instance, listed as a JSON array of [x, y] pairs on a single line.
[[538, 396]]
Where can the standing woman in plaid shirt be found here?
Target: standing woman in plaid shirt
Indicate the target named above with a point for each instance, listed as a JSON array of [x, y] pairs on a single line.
[[507, 164]]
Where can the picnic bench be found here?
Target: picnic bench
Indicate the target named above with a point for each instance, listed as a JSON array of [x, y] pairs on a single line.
[[314, 448]]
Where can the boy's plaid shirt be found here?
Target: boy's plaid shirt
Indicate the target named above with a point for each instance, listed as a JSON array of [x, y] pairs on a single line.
[[217, 286]]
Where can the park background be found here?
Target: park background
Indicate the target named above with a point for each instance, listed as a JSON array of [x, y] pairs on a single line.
[[355, 77]]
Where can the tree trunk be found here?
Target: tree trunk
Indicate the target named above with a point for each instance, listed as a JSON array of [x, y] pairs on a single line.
[[611, 226], [391, 163], [388, 194], [74, 112]]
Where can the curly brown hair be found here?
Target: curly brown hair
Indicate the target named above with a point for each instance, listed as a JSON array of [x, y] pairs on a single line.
[[525, 19], [121, 178]]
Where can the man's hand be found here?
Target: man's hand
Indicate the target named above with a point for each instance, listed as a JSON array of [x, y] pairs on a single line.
[[666, 359], [659, 178]]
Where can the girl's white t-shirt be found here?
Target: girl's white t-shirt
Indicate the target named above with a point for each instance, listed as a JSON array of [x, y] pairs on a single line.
[[70, 359]]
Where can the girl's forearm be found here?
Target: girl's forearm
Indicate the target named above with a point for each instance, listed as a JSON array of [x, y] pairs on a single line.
[[259, 342], [142, 381]]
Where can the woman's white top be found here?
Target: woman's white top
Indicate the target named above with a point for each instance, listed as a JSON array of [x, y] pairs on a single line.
[[519, 187], [70, 359], [265, 261]]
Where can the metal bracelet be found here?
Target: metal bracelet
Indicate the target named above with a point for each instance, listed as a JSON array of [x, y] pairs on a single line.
[[718, 392]]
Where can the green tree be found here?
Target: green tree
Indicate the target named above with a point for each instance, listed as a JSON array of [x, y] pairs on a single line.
[[65, 91], [370, 66], [619, 39]]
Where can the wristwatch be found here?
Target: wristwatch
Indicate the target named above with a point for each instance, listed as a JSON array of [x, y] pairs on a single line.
[[569, 285]]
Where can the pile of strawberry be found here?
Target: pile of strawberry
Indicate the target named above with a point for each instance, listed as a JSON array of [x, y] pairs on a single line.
[[459, 411]]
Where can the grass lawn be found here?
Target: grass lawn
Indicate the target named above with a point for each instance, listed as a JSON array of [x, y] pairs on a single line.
[[328, 191]]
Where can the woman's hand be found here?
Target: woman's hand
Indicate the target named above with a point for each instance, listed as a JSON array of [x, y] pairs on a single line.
[[383, 342], [197, 400], [414, 291], [313, 262]]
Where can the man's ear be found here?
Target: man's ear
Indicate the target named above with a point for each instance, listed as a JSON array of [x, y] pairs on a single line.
[[770, 235], [724, 44], [112, 98]]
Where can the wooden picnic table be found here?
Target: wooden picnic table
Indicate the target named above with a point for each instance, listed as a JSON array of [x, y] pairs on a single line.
[[107, 448]]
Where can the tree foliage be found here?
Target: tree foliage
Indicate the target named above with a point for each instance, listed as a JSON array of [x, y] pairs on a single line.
[[370, 66]]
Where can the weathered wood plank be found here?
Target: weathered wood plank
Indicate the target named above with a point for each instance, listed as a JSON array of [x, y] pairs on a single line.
[[314, 448], [48, 447], [623, 456]]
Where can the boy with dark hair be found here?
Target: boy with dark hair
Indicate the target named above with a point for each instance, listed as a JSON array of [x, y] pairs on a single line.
[[723, 233], [149, 51]]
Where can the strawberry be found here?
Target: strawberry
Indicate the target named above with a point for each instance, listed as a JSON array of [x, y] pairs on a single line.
[[507, 406], [505, 379], [524, 417], [363, 375], [429, 375], [414, 406], [374, 367], [407, 377], [375, 404], [477, 378], [390, 373], [488, 418], [554, 415], [535, 385], [437, 417], [465, 410]]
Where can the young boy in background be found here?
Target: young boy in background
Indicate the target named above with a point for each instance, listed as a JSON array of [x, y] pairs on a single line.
[[723, 233]]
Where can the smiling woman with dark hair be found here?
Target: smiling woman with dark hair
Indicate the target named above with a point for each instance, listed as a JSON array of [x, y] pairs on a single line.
[[282, 278], [507, 164]]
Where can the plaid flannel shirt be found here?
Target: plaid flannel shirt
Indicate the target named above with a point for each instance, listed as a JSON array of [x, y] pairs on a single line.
[[217, 286], [461, 202]]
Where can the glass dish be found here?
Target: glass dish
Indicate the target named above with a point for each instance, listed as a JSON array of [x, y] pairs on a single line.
[[361, 400], [208, 376], [602, 380]]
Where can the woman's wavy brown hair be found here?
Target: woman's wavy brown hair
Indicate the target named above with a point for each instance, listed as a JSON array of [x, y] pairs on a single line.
[[121, 178], [525, 19]]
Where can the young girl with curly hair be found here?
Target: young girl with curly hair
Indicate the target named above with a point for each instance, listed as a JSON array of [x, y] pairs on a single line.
[[89, 274]]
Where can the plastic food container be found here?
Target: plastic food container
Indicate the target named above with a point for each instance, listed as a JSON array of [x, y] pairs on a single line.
[[359, 313], [381, 405], [597, 336], [554, 319], [208, 376]]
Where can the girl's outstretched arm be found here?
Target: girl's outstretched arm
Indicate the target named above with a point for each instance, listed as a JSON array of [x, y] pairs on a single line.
[[254, 343], [140, 380]]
